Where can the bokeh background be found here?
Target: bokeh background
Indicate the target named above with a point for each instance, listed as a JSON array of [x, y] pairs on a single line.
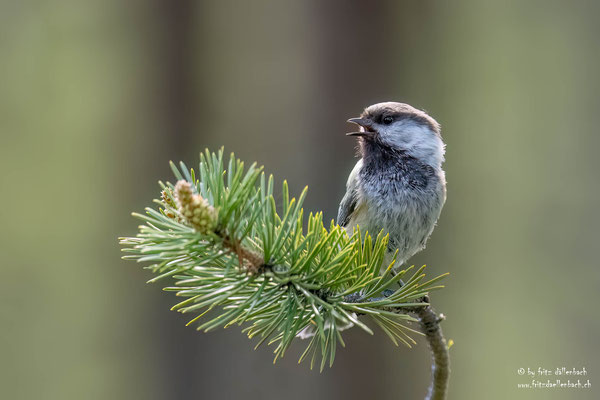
[[96, 97]]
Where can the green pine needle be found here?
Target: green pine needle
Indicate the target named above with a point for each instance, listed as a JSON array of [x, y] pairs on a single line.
[[267, 267]]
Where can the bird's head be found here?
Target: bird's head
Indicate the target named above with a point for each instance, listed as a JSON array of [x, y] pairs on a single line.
[[400, 127]]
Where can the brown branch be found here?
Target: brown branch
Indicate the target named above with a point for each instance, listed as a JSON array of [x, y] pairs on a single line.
[[249, 261], [440, 367]]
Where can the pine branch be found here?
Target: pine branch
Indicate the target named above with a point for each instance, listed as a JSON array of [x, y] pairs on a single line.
[[237, 259], [440, 367]]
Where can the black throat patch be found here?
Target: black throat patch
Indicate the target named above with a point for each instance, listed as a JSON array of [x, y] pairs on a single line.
[[384, 166]]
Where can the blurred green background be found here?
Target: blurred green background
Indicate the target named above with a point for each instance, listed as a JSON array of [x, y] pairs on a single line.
[[96, 97]]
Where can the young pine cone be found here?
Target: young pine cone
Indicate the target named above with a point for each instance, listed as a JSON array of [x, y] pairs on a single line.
[[194, 209]]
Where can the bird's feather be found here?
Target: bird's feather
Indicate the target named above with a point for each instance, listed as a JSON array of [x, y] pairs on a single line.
[[350, 199]]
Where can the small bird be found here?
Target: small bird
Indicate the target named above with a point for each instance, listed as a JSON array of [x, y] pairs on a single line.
[[398, 185]]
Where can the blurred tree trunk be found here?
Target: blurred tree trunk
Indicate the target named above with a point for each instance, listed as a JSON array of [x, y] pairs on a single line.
[[175, 106]]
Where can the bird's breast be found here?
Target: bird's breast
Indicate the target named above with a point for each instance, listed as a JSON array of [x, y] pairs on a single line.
[[404, 200]]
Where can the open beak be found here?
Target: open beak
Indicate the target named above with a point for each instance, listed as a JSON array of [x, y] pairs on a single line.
[[365, 123]]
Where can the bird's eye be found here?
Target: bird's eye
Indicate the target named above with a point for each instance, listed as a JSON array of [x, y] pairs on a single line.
[[388, 120]]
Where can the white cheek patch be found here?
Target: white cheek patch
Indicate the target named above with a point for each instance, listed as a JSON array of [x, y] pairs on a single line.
[[417, 140]]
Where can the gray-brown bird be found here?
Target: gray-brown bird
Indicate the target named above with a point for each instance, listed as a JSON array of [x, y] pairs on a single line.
[[398, 185]]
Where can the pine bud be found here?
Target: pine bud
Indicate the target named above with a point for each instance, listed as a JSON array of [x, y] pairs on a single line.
[[167, 198], [194, 209], [170, 206]]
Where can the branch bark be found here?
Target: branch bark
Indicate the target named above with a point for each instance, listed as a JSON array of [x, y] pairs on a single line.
[[440, 367]]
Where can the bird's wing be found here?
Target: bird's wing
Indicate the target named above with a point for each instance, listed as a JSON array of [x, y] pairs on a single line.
[[350, 199]]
